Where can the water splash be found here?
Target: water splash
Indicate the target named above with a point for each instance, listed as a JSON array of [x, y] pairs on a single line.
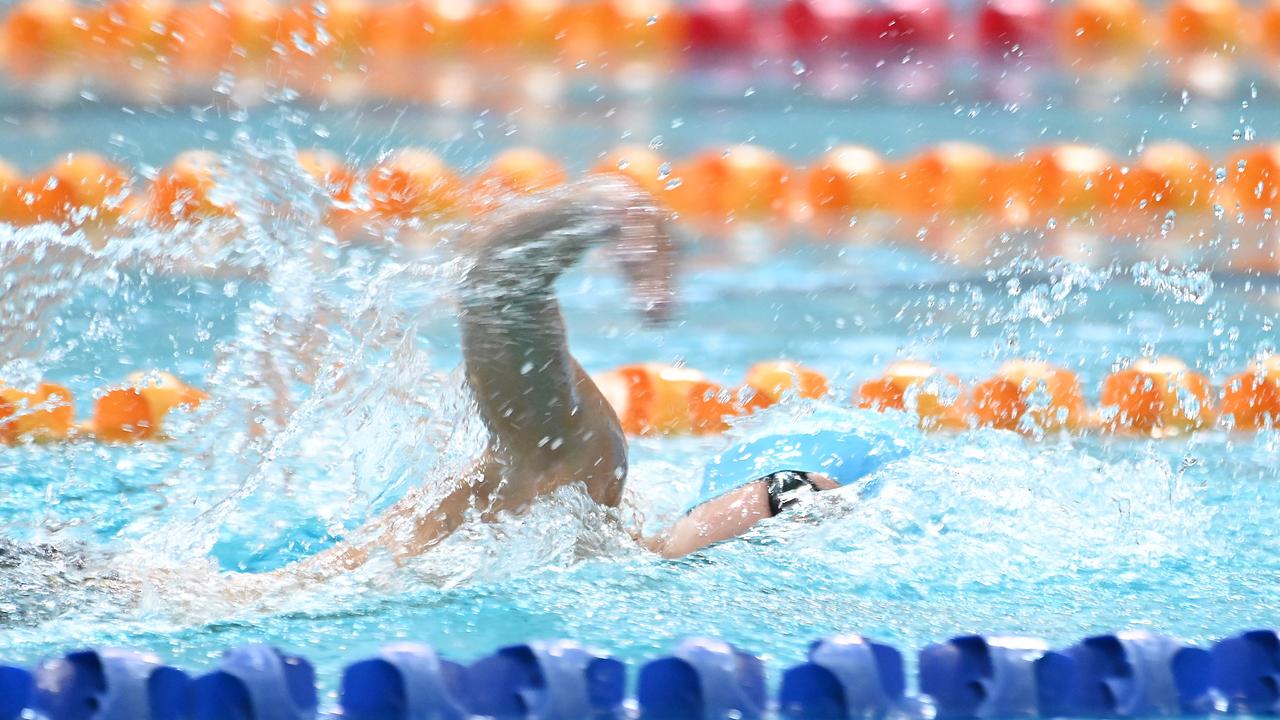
[[333, 397]]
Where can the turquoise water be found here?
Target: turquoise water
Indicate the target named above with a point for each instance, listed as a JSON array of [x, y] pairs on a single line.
[[980, 531], [333, 373]]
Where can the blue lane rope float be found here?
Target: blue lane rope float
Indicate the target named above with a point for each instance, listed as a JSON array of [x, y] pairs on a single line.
[[110, 684], [1136, 674], [984, 677], [546, 680], [15, 691], [405, 681], [846, 676], [703, 679], [1246, 671], [256, 682], [1120, 675]]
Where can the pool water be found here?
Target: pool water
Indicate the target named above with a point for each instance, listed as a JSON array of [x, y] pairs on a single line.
[[335, 390]]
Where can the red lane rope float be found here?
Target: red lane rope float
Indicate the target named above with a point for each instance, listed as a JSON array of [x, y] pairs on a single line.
[[130, 412], [1157, 398], [196, 36], [1062, 184]]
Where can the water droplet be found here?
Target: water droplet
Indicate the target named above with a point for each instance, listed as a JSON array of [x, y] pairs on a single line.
[[656, 142], [798, 68], [301, 44]]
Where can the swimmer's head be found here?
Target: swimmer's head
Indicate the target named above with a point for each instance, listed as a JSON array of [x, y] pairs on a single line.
[[788, 487], [822, 481]]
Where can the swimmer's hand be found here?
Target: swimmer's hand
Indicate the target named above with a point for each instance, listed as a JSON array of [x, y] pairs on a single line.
[[647, 256], [526, 244]]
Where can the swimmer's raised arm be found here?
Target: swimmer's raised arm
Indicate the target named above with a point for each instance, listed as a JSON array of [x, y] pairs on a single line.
[[543, 412], [548, 423]]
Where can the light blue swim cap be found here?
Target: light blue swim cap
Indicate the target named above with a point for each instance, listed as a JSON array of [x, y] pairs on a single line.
[[845, 455]]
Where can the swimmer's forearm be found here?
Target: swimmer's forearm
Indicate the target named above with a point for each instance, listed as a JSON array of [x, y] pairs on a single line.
[[529, 389], [403, 532], [715, 520]]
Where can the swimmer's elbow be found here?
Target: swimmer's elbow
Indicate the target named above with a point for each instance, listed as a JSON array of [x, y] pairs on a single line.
[[659, 545], [667, 552], [669, 547]]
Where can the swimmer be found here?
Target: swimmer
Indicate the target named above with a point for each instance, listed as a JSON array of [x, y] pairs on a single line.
[[548, 423]]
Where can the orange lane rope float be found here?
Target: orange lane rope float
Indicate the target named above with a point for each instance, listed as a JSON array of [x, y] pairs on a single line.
[[847, 181], [920, 389], [1160, 397], [1156, 398], [1060, 184], [1168, 177], [412, 184], [44, 414], [1252, 398], [654, 399], [774, 380], [131, 412], [186, 190], [136, 410], [951, 179], [353, 32], [518, 171], [1030, 395]]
